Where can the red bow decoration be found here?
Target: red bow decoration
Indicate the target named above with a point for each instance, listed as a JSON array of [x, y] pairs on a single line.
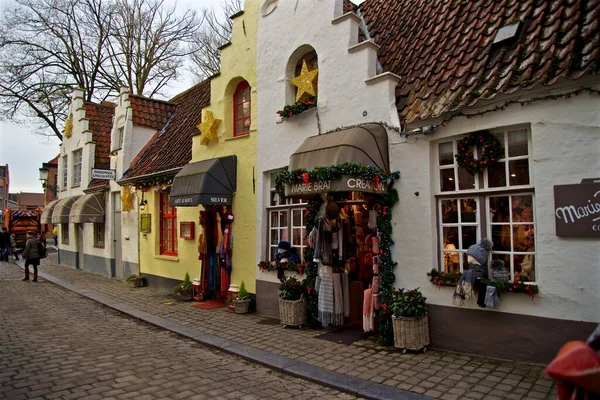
[[376, 182], [305, 178]]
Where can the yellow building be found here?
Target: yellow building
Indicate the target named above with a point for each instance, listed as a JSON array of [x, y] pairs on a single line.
[[217, 188]]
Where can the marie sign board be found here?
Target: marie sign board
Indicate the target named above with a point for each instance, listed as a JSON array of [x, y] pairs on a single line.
[[346, 183], [577, 209], [104, 174]]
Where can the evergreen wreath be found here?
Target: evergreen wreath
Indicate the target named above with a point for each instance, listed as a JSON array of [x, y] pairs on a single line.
[[491, 151]]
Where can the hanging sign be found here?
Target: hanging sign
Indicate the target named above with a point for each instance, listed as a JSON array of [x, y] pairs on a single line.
[[104, 173], [346, 183], [577, 209]]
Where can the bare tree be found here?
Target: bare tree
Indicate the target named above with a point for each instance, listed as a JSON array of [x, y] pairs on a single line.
[[49, 47], [215, 32], [148, 44]]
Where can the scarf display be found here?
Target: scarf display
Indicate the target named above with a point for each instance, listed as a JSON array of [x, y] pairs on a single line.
[[491, 297], [368, 311], [346, 294], [338, 300], [465, 286], [375, 287], [326, 306]]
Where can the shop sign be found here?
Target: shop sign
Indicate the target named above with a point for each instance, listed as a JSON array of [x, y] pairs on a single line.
[[346, 183], [204, 199], [104, 173], [577, 209]]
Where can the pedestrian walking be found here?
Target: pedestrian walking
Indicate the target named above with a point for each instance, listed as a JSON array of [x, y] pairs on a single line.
[[32, 256], [13, 247], [55, 234], [4, 244]]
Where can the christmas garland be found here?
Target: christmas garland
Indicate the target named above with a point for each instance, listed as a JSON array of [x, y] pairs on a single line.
[[329, 173], [266, 266], [290, 110], [312, 269], [438, 278], [151, 182], [491, 151]]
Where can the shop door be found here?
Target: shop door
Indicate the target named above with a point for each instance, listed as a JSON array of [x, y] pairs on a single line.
[[79, 230], [118, 246]]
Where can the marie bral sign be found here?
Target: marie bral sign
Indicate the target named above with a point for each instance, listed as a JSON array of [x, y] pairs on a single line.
[[345, 184], [577, 209]]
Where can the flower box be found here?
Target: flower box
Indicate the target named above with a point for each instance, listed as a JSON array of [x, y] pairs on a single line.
[[411, 333], [292, 312]]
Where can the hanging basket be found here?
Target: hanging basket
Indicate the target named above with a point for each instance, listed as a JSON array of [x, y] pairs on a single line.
[[292, 312], [241, 306], [411, 333]]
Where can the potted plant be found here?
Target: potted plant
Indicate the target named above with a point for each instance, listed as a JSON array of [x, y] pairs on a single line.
[[410, 319], [241, 303], [292, 303], [184, 289], [135, 280]]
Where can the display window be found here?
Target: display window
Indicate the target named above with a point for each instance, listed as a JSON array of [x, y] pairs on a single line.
[[168, 226], [497, 203]]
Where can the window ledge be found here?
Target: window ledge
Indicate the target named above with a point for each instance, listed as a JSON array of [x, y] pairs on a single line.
[[167, 258], [98, 246], [245, 135], [75, 186]]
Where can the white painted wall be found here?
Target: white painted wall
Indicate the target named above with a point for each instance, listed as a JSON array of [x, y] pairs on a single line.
[[344, 94], [566, 148]]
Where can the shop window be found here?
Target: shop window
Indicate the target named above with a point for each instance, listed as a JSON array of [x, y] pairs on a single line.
[[286, 222], [77, 160], [241, 109], [65, 168], [507, 218], [64, 233], [99, 234], [168, 226]]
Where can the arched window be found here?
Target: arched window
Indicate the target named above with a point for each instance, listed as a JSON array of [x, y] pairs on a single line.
[[241, 109], [304, 54]]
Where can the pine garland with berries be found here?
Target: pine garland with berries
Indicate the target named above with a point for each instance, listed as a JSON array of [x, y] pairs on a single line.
[[290, 110]]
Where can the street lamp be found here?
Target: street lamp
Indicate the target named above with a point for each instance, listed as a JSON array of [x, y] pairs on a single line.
[[44, 178]]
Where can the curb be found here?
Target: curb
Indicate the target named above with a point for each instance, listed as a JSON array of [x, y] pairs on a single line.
[[342, 382]]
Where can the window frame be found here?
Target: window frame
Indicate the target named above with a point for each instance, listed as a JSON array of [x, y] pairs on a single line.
[[65, 172], [170, 215], [64, 233], [289, 206], [482, 193], [241, 87], [99, 234], [77, 167]]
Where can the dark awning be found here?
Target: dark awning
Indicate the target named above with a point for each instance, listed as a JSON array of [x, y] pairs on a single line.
[[88, 208], [47, 213], [207, 182], [365, 145], [62, 209]]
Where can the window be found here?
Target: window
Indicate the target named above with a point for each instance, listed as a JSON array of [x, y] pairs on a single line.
[[168, 226], [99, 234], [241, 109], [64, 172], [77, 158], [64, 233], [286, 222], [497, 203], [312, 63], [120, 132]]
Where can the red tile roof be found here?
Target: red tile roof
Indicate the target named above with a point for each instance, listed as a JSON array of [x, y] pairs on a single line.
[[172, 147], [150, 112], [348, 6], [100, 118], [443, 50]]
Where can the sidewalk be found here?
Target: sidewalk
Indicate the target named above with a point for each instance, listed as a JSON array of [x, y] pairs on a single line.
[[363, 368]]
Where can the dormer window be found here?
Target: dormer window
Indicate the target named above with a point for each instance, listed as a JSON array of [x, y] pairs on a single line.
[[241, 109]]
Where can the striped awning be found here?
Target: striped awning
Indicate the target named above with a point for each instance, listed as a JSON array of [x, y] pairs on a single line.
[[62, 209], [88, 208], [47, 213]]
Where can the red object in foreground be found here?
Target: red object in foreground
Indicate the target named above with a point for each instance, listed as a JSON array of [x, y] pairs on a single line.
[[576, 370]]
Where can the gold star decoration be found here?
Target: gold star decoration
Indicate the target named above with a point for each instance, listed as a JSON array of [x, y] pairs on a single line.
[[69, 126], [305, 81], [208, 128]]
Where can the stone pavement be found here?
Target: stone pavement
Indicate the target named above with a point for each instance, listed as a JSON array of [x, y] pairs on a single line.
[[54, 344], [362, 368]]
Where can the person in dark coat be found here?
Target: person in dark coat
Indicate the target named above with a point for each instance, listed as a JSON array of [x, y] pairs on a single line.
[[32, 256], [4, 244]]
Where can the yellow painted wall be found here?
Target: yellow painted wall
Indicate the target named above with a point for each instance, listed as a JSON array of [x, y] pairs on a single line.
[[238, 62], [151, 262]]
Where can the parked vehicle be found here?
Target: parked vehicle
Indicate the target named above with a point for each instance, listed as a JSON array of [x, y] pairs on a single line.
[[20, 221]]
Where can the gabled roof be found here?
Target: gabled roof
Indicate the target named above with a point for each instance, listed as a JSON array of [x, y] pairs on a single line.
[[150, 112], [445, 54], [100, 118], [171, 147]]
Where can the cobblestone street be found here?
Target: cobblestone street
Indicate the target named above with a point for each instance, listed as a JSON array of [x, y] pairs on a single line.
[[435, 374], [58, 345]]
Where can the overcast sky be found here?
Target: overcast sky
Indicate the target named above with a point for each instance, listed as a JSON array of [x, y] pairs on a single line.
[[24, 151]]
